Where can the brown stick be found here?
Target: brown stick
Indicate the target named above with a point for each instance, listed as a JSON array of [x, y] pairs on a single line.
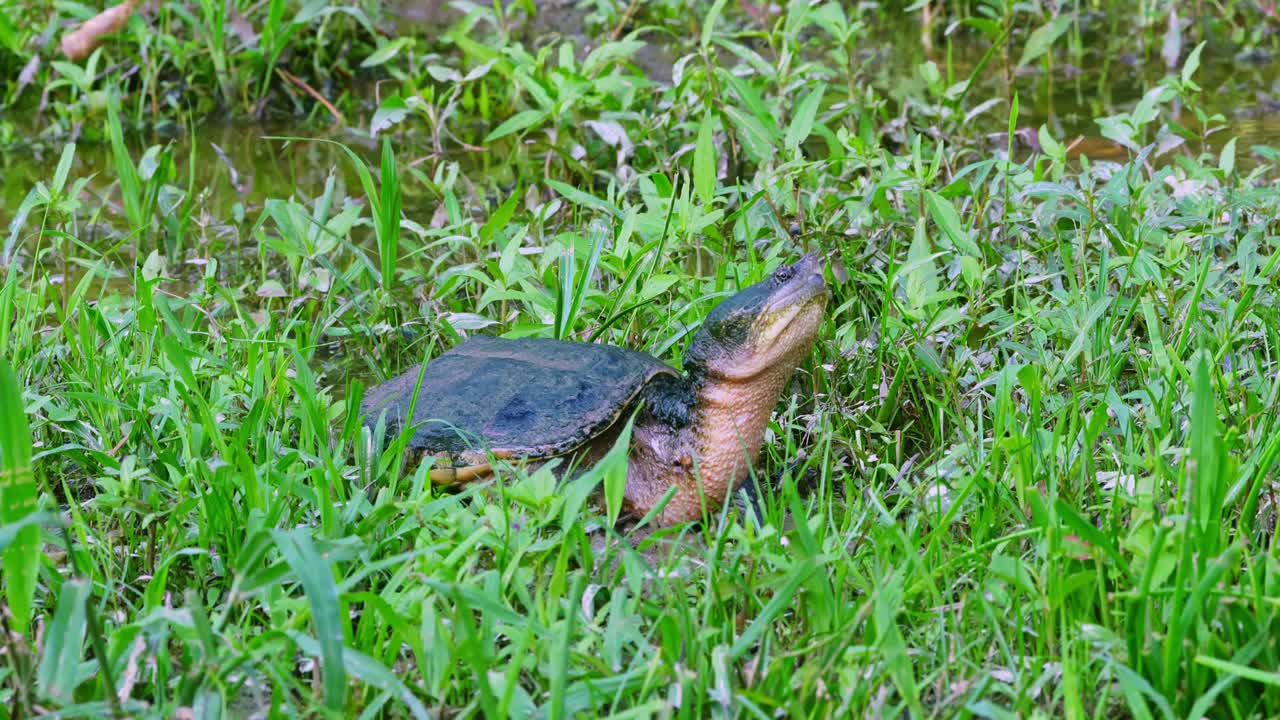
[[626, 18], [337, 116]]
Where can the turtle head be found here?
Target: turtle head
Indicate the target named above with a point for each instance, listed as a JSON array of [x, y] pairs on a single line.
[[738, 364], [769, 326]]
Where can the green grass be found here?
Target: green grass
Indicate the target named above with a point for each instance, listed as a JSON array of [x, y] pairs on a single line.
[[1030, 469]]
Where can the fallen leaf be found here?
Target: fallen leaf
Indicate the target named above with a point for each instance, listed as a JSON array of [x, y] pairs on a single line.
[[81, 42], [28, 74], [241, 27], [271, 288]]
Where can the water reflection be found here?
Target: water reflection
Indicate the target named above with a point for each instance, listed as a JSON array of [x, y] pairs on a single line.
[[237, 166]]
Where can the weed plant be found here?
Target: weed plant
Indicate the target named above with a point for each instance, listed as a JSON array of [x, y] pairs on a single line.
[[1030, 469]]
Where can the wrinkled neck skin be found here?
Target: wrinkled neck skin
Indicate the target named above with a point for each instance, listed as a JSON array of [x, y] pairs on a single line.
[[727, 422]]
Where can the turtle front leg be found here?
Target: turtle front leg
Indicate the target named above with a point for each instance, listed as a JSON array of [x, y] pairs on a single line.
[[661, 457]]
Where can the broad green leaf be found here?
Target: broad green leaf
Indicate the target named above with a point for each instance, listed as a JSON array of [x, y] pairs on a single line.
[[614, 469], [9, 35], [1050, 145], [920, 272], [1227, 159], [802, 122], [1043, 38], [271, 288], [1119, 130], [584, 199], [746, 54], [18, 500], [64, 168], [609, 52], [73, 72], [520, 121], [390, 113], [444, 73], [831, 18], [992, 29], [1192, 64], [1014, 571], [535, 89], [385, 53], [709, 23], [468, 321], [753, 103], [10, 533], [946, 217], [931, 75], [33, 199], [1148, 108], [500, 217], [752, 134]]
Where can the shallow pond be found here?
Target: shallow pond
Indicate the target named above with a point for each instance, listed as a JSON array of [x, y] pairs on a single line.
[[234, 167]]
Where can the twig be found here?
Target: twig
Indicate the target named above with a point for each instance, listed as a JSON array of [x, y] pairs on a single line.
[[624, 20], [81, 42], [337, 116]]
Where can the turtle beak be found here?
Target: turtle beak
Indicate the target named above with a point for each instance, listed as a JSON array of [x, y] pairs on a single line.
[[805, 285]]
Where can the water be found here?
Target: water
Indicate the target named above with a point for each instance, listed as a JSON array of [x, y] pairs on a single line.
[[237, 167], [1101, 77]]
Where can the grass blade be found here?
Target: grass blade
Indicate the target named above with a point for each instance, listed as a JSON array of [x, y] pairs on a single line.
[[704, 160], [564, 296], [18, 500], [1203, 462], [599, 235], [314, 571], [560, 668], [64, 643], [388, 216], [1244, 671], [709, 24], [370, 672], [126, 171], [802, 122], [781, 600]]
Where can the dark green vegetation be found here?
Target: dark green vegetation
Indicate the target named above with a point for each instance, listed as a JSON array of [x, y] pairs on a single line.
[[1039, 431]]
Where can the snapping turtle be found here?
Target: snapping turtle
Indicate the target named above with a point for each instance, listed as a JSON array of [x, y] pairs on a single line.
[[536, 399]]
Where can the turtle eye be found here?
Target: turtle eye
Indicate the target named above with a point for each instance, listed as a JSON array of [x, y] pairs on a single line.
[[784, 273]]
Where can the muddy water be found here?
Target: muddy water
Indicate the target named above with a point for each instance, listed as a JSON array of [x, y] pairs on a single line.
[[232, 163], [1096, 78], [236, 167]]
